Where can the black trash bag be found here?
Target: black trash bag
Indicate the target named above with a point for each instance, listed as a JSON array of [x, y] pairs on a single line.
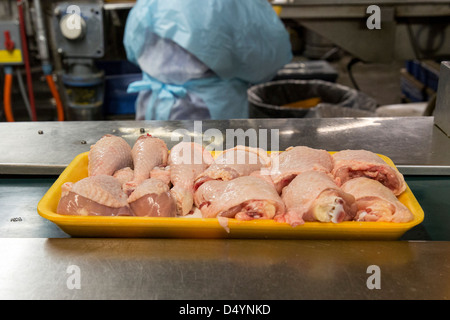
[[267, 100]]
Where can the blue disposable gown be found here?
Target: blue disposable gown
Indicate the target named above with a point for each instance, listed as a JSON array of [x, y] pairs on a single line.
[[198, 57]]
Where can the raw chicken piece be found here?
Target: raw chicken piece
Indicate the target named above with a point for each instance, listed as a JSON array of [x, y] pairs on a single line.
[[235, 162], [161, 173], [124, 175], [349, 164], [295, 160], [187, 160], [152, 198], [376, 202], [243, 198], [99, 195], [313, 196], [108, 155], [148, 152]]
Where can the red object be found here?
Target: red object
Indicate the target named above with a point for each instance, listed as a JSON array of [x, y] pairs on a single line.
[[7, 98], [9, 44], [26, 60]]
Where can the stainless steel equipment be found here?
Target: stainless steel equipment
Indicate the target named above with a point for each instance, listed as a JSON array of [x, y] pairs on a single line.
[[410, 29], [79, 38], [442, 110]]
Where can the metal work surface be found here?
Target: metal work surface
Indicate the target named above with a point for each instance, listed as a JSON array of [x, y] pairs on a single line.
[[415, 145], [19, 196], [37, 258], [221, 269]]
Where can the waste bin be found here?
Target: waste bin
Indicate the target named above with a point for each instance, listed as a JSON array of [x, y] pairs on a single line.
[[307, 98]]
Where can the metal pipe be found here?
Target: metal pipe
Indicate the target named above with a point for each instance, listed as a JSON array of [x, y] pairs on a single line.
[[26, 59], [23, 92], [45, 57]]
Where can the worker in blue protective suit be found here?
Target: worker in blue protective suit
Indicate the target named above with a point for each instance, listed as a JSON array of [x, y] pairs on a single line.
[[198, 57]]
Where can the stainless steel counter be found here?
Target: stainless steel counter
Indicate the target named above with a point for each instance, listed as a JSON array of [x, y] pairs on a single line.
[[224, 270], [415, 145], [36, 255]]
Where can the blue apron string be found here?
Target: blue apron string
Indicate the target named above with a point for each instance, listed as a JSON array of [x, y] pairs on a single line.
[[164, 92]]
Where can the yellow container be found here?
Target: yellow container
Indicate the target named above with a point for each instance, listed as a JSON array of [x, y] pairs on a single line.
[[182, 227]]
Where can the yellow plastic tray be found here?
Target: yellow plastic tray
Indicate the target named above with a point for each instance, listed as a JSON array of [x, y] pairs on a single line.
[[95, 226]]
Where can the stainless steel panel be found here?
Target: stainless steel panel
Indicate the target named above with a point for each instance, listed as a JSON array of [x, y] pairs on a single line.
[[48, 147], [221, 269], [19, 218], [442, 111], [344, 24]]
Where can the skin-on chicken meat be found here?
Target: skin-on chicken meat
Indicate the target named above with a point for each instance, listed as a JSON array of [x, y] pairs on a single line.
[[243, 198], [295, 160], [313, 196], [376, 202], [349, 164], [124, 175], [108, 155], [99, 195], [187, 160], [147, 152], [161, 173], [233, 163], [152, 198]]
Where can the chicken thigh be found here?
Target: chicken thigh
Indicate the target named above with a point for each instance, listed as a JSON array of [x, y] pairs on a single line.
[[99, 195], [243, 198], [313, 196], [349, 164], [376, 202], [152, 198], [295, 160], [233, 163], [124, 175]]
